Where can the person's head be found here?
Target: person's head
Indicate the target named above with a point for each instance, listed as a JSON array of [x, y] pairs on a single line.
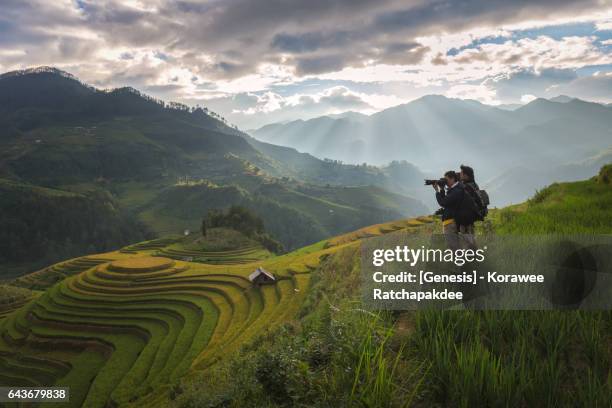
[[451, 177], [467, 174]]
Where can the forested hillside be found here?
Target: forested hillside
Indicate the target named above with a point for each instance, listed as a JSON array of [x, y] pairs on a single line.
[[39, 226], [165, 165]]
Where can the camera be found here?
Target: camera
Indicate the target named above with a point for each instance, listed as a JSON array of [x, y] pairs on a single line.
[[440, 182]]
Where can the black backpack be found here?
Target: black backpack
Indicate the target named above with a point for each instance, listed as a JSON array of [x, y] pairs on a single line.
[[468, 211], [481, 200], [484, 201]]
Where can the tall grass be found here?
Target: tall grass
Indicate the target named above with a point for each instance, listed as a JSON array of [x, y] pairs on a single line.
[[570, 208], [515, 358], [377, 379]]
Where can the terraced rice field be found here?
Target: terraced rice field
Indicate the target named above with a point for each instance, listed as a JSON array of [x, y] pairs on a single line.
[[13, 298], [149, 245], [49, 276], [232, 257], [121, 327]]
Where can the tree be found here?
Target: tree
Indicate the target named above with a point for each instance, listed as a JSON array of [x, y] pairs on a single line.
[[203, 227]]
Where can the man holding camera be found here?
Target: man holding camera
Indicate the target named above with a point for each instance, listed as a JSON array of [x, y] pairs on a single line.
[[450, 200]]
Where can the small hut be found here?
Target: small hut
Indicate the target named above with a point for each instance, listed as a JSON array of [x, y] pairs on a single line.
[[261, 277]]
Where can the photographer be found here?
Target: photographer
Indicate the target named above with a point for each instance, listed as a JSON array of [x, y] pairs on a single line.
[[450, 200]]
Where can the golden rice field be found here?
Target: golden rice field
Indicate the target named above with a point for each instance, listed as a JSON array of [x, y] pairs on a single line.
[[121, 327]]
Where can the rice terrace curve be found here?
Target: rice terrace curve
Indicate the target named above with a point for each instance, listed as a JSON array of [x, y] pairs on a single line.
[[129, 323]]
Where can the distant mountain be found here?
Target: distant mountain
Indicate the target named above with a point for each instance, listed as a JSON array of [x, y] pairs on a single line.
[[60, 133], [433, 130], [415, 132], [349, 115], [437, 133], [562, 99], [509, 106]]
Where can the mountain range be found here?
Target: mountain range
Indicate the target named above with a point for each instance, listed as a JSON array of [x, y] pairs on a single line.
[[544, 138], [163, 166]]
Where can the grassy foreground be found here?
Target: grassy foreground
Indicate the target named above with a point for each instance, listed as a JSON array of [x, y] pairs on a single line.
[[337, 354], [176, 322]]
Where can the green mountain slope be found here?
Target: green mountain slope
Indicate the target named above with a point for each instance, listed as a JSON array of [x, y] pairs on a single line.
[[294, 214], [39, 226], [59, 133]]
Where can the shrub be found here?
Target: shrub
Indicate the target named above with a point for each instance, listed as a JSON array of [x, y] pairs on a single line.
[[242, 220], [237, 218], [270, 243], [605, 175]]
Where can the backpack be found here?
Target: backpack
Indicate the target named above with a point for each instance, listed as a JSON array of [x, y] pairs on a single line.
[[484, 200], [468, 211], [481, 200]]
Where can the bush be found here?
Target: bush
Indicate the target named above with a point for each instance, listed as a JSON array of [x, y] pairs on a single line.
[[237, 218], [270, 243], [605, 175], [243, 220]]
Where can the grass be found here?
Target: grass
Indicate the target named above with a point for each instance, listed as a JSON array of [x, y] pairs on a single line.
[[510, 358], [567, 208]]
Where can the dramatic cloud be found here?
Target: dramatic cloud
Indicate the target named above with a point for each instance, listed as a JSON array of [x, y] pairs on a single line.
[[273, 107], [252, 56]]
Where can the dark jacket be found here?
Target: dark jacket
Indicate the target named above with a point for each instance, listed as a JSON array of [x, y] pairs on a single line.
[[450, 200]]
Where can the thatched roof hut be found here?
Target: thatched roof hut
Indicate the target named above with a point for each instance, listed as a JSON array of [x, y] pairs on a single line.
[[261, 277]]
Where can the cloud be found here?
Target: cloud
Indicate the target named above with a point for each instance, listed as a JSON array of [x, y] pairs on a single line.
[[254, 110], [528, 98], [604, 25], [481, 92], [244, 51], [309, 42], [232, 38], [336, 98]]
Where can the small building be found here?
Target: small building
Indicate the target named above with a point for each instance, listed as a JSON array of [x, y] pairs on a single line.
[[261, 277]]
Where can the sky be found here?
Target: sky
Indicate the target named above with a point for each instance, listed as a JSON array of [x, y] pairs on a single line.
[[261, 61]]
